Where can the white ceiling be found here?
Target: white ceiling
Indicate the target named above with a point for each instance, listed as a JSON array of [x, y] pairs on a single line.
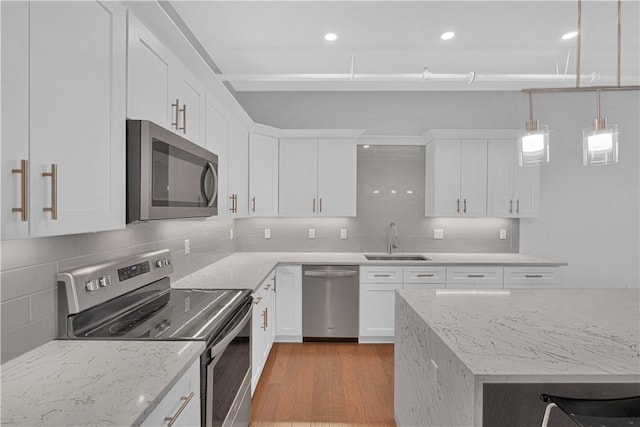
[[275, 39]]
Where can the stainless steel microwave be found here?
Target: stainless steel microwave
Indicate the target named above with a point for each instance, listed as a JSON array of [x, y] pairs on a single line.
[[167, 175]]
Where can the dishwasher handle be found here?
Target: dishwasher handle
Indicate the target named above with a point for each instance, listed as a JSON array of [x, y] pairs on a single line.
[[331, 273]]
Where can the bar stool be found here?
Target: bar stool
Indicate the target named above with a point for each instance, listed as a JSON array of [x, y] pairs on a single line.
[[621, 412]]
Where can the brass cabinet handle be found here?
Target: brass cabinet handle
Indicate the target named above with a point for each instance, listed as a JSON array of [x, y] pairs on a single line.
[[510, 206], [177, 115], [266, 316], [186, 399], [381, 275], [183, 110], [54, 191], [475, 275], [531, 276], [234, 203], [458, 206], [426, 275], [320, 204], [314, 205], [253, 204], [465, 206], [257, 301], [274, 283], [23, 189], [264, 319], [266, 288], [518, 206]]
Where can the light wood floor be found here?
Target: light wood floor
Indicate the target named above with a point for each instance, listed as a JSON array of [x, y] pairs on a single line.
[[325, 384]]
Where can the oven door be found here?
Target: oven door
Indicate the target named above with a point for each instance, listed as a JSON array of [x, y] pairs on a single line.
[[226, 390]]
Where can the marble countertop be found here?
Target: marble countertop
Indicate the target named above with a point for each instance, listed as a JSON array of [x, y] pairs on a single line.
[[89, 383], [562, 335], [246, 270]]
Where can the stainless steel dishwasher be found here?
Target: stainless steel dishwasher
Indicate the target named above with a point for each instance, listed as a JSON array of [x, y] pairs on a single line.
[[330, 302]]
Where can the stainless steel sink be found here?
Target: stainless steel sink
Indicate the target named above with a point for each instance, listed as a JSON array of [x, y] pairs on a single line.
[[393, 257]]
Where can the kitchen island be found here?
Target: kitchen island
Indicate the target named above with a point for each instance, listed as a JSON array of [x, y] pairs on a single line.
[[477, 358]]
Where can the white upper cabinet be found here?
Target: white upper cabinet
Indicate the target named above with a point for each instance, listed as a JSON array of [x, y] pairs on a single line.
[[238, 150], [317, 178], [456, 178], [76, 68], [337, 177], [160, 88], [216, 141], [263, 175], [512, 191]]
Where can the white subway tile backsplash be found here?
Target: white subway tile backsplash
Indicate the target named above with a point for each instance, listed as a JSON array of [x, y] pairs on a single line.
[[20, 340], [15, 313], [27, 252], [24, 281], [42, 304]]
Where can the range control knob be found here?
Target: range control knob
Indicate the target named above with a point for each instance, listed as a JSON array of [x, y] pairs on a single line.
[[105, 281], [167, 261], [159, 263], [92, 285]]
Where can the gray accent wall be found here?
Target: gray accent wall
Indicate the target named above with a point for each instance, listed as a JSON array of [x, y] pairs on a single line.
[[390, 189], [28, 279]]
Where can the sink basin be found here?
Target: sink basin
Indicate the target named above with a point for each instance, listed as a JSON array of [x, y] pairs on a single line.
[[392, 257]]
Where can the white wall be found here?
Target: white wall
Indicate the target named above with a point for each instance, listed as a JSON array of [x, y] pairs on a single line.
[[589, 216]]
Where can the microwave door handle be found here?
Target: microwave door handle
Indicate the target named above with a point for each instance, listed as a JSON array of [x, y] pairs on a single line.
[[215, 184]]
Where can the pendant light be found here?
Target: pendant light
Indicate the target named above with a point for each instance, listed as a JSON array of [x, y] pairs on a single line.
[[533, 145], [600, 144]]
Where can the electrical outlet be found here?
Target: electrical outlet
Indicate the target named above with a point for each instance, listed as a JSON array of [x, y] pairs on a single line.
[[231, 234], [267, 233], [503, 234], [187, 246], [343, 234], [312, 233], [438, 233]]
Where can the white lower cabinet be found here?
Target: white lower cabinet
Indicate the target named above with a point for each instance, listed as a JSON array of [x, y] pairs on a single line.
[[289, 303], [262, 327], [377, 311], [476, 277], [181, 405], [530, 277]]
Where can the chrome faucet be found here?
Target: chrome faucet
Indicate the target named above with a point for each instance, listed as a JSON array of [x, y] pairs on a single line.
[[391, 245]]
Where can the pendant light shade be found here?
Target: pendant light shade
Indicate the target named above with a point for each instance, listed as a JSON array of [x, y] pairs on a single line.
[[600, 144], [533, 144]]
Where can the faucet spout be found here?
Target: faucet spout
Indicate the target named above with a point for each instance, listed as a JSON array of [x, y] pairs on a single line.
[[392, 242]]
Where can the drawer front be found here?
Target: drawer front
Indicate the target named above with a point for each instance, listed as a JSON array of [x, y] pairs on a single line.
[[474, 275], [434, 275], [381, 274], [530, 276]]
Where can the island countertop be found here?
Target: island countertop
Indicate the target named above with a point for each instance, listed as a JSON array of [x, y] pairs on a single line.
[[456, 350]]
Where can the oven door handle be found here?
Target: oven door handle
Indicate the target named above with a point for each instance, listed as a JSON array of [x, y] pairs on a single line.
[[219, 347], [210, 199]]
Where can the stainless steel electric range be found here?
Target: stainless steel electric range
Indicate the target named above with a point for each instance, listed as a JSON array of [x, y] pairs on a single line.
[[131, 299]]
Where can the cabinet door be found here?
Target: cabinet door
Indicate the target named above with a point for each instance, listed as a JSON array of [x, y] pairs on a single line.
[[298, 186], [191, 104], [442, 177], [526, 191], [289, 303], [15, 115], [337, 177], [216, 141], [377, 310], [77, 114], [238, 171], [263, 175], [500, 167], [258, 337], [473, 180], [148, 80]]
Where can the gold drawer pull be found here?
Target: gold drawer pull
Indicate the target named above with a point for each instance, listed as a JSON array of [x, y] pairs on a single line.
[[426, 275], [253, 204], [177, 107], [320, 204], [313, 209], [186, 399], [465, 206], [183, 110], [475, 275], [458, 206], [23, 190], [54, 191], [510, 206], [257, 301], [518, 206], [381, 275], [532, 276]]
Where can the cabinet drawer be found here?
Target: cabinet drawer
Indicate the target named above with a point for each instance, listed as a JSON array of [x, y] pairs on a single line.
[[424, 275], [474, 275], [382, 274], [526, 276]]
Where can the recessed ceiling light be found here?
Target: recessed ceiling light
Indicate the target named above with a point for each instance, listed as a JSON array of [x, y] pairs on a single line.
[[365, 146], [331, 37], [448, 35], [569, 35]]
